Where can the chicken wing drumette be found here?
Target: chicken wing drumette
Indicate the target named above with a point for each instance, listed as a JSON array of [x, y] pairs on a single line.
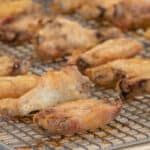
[[108, 51]]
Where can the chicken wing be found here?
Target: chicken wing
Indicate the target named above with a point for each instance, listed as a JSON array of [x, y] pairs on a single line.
[[21, 28], [129, 14], [108, 51], [61, 36], [77, 116], [86, 8], [105, 33], [13, 87], [18, 28], [126, 14], [53, 88], [109, 74], [136, 86], [12, 66]]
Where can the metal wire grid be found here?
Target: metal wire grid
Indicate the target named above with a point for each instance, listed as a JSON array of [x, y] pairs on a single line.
[[130, 128]]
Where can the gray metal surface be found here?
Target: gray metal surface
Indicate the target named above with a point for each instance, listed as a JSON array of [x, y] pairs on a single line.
[[130, 128]]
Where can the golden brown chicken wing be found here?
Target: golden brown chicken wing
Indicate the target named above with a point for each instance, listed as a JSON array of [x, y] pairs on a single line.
[[108, 51], [65, 6], [126, 14], [129, 14], [53, 88], [135, 86], [61, 36], [18, 27], [105, 33], [109, 74], [77, 116], [13, 87], [86, 8], [21, 28], [12, 66]]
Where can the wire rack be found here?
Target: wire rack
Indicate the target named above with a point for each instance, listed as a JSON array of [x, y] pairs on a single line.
[[130, 128]]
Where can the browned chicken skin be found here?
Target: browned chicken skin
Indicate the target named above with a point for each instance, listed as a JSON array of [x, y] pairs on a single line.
[[19, 30], [86, 8], [126, 14], [136, 86], [108, 51], [12, 66], [13, 87], [54, 87], [109, 74], [129, 14], [61, 36], [17, 27], [105, 33], [77, 116]]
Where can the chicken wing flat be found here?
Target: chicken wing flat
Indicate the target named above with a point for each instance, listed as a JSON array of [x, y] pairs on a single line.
[[108, 51], [109, 74], [136, 86], [105, 33], [61, 36], [53, 88], [77, 116], [13, 87], [12, 66]]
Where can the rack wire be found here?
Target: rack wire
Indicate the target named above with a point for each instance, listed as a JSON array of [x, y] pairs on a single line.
[[130, 128]]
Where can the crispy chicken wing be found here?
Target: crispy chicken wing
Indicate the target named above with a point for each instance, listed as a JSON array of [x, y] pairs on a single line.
[[53, 88], [126, 14], [13, 87], [105, 33], [19, 27], [86, 8], [135, 86], [109, 74], [108, 51], [129, 14], [77, 116], [18, 30], [12, 66], [61, 36]]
